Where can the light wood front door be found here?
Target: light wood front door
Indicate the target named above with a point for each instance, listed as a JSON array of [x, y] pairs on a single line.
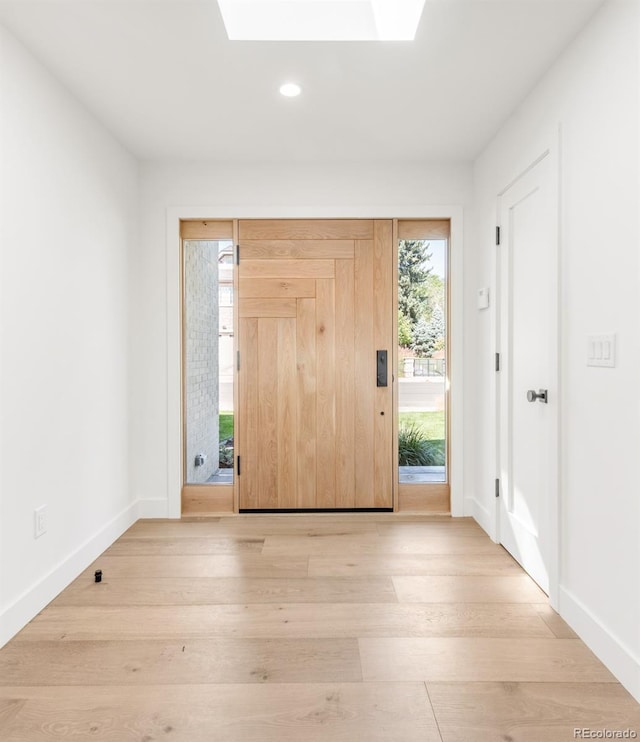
[[315, 306]]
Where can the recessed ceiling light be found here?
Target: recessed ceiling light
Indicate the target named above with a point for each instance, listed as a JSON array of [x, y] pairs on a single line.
[[290, 89], [321, 20]]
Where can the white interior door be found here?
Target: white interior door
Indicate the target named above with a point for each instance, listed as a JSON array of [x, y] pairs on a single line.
[[528, 387]]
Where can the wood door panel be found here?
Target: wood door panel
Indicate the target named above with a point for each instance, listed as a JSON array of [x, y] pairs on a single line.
[[306, 402], [298, 249], [248, 411], [306, 229], [197, 229], [280, 307], [267, 413], [266, 288], [325, 394], [316, 310], [365, 373], [287, 269], [424, 229], [345, 385], [287, 414], [383, 463]]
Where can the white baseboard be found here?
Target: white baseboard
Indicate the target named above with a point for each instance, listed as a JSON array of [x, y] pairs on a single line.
[[617, 657], [153, 508], [481, 515], [32, 601]]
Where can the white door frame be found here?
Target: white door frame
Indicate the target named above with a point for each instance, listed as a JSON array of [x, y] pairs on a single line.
[[553, 151], [258, 211]]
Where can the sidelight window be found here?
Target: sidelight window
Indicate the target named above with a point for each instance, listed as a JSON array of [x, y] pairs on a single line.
[[422, 352]]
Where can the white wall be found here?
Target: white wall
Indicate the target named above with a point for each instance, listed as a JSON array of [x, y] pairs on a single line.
[[209, 190], [68, 203], [592, 93]]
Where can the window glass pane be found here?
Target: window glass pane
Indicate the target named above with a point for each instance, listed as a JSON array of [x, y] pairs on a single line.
[[208, 361], [422, 335]]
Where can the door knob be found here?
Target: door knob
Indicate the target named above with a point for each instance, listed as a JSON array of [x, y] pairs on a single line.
[[541, 394]]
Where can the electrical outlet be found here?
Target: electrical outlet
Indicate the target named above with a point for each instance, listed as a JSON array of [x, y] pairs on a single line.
[[40, 521]]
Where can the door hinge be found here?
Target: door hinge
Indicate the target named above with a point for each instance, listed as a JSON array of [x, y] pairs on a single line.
[[238, 360], [497, 488], [237, 254], [497, 361], [497, 235], [238, 466]]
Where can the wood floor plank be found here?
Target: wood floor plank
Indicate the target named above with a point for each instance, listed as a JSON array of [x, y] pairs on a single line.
[[530, 712], [255, 526], [172, 529], [190, 661], [461, 589], [295, 524], [372, 544], [226, 590], [480, 659], [413, 564], [198, 565], [310, 712], [9, 708], [428, 528], [559, 626], [185, 546], [288, 620]]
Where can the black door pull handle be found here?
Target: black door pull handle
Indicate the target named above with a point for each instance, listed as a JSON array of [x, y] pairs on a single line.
[[381, 368]]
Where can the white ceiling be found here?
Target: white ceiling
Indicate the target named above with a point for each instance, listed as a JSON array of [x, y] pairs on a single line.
[[163, 77]]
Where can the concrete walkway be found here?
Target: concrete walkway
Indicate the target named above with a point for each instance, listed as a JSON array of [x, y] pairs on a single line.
[[422, 474], [421, 394]]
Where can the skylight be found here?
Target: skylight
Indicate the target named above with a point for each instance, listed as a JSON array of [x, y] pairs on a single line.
[[321, 20]]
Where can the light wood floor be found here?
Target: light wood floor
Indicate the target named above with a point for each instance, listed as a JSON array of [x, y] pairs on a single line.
[[354, 628]]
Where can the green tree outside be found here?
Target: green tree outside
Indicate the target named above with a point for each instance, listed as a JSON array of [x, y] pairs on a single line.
[[405, 332], [413, 271], [421, 293]]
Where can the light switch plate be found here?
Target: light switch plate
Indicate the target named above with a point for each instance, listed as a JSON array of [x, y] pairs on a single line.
[[601, 350], [483, 298]]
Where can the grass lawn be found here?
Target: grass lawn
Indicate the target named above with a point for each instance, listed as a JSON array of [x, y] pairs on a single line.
[[433, 426], [226, 425], [432, 423]]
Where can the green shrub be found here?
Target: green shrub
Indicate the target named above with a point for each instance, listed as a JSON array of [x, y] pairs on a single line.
[[415, 449], [226, 454]]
